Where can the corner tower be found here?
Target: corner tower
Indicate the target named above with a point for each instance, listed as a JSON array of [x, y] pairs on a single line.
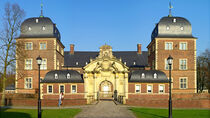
[[40, 36], [173, 36]]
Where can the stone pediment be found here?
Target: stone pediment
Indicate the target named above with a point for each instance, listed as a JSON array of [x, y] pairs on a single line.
[[106, 62]]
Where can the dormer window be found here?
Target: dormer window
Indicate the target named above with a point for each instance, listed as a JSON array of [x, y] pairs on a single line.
[[182, 28], [68, 76], [125, 63], [37, 20], [43, 28], [174, 20], [155, 75], [56, 76], [142, 75], [29, 28], [77, 63], [167, 27], [86, 63], [134, 63]]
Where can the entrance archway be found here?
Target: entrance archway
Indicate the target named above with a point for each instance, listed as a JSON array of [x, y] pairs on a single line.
[[106, 90]]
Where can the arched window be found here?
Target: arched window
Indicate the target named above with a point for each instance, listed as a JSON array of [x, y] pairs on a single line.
[[155, 75], [142, 75], [68, 76], [56, 76]]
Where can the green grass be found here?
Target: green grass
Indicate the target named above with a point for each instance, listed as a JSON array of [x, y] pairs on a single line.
[[163, 113], [32, 113]]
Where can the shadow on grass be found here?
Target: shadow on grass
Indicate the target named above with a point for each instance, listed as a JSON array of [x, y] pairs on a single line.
[[7, 114], [152, 115], [147, 114]]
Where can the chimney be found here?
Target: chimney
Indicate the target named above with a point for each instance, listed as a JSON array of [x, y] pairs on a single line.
[[71, 48], [139, 49]]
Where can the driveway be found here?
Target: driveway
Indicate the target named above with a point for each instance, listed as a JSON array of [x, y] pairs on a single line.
[[105, 109]]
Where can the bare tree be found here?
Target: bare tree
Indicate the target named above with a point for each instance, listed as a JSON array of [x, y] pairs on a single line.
[[203, 71], [8, 47]]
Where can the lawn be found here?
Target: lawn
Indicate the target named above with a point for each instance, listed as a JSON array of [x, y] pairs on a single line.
[[32, 113], [163, 113]]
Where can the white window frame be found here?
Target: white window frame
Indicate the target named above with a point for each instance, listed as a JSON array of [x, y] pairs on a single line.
[[167, 47], [42, 67], [181, 47], [26, 47], [143, 75], [26, 67], [41, 47], [180, 60], [31, 82], [139, 88], [151, 88], [183, 83], [60, 88], [159, 88], [72, 89], [155, 75], [48, 89]]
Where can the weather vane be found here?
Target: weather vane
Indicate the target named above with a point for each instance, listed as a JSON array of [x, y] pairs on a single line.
[[170, 7], [41, 10]]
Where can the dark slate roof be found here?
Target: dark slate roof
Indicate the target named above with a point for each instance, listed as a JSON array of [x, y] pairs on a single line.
[[80, 58], [75, 77], [50, 31], [174, 30], [136, 76], [10, 87]]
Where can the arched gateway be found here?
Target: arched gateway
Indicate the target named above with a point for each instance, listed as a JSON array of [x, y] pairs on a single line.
[[104, 75]]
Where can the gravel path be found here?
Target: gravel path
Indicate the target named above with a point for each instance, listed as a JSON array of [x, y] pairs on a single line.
[[105, 109]]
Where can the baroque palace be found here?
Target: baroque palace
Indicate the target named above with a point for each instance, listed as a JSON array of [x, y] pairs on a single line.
[[107, 74]]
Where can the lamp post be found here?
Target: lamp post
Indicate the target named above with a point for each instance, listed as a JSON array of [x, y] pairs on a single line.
[[39, 62], [170, 59]]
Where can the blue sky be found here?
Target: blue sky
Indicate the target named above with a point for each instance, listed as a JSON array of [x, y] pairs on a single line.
[[120, 23]]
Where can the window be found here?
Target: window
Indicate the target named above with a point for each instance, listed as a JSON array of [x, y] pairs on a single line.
[[149, 88], [61, 88], [43, 28], [182, 28], [44, 64], [155, 75], [161, 88], [134, 63], [142, 75], [168, 46], [28, 83], [56, 76], [28, 46], [43, 46], [183, 46], [77, 63], [28, 64], [73, 89], [183, 82], [167, 27], [68, 76], [49, 89], [138, 88], [174, 20], [166, 65], [37, 20], [183, 64], [124, 63], [29, 28]]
